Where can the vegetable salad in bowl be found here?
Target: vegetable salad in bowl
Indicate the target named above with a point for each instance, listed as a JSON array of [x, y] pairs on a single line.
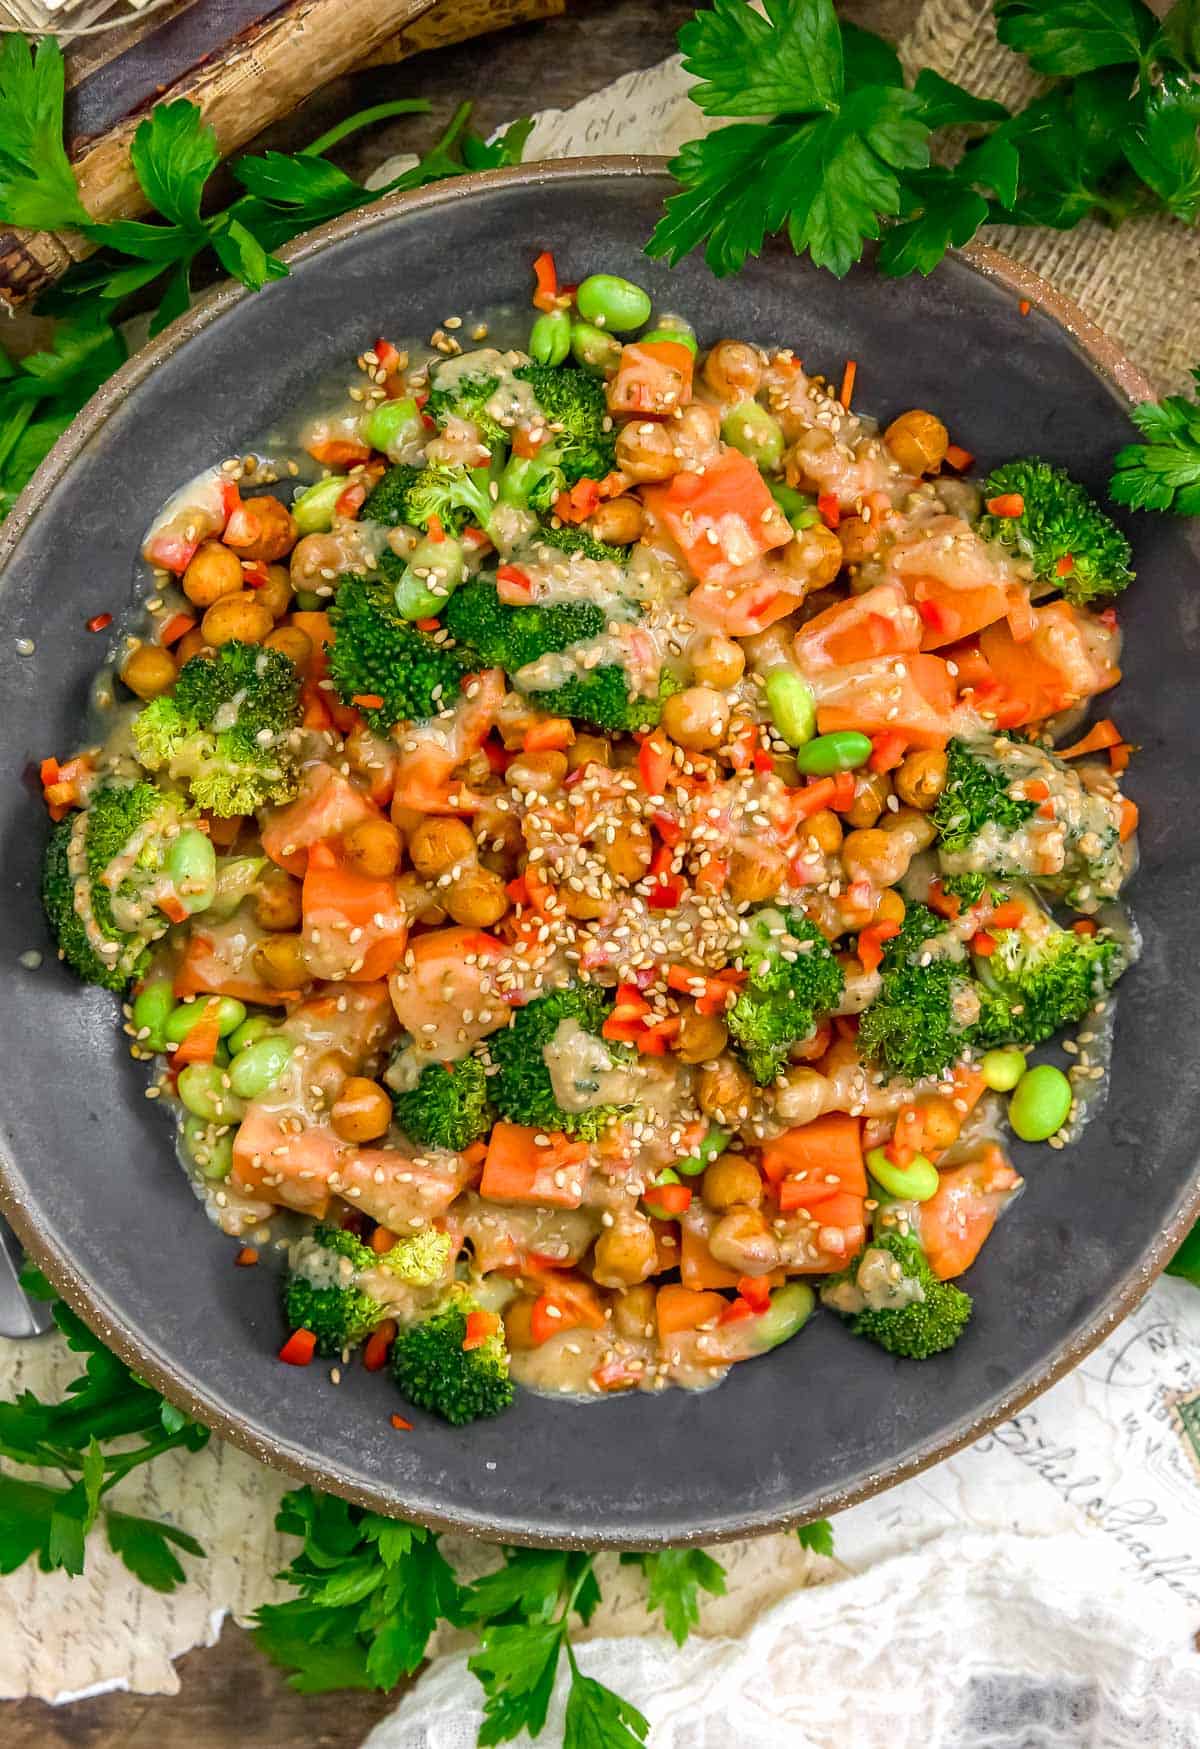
[[587, 840]]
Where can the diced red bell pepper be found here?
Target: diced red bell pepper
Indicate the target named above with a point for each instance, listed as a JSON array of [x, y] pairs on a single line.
[[299, 1348]]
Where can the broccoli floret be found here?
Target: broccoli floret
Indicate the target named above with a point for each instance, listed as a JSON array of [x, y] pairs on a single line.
[[568, 539], [968, 889], [575, 401], [377, 654], [456, 496], [435, 1371], [929, 1315], [1060, 522], [1041, 978], [448, 1107], [509, 637], [975, 798], [321, 1291], [522, 1090], [117, 817], [418, 1259], [602, 698], [533, 482], [466, 397], [224, 728], [792, 979], [921, 1021]]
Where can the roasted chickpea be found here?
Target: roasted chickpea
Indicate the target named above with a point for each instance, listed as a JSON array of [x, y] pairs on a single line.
[[912, 825], [696, 434], [420, 905], [940, 1123], [373, 847], [498, 838], [881, 854], [582, 906], [918, 440], [724, 1092], [716, 660], [476, 897], [645, 451], [277, 901], [633, 1311], [619, 521], [262, 529], [362, 1111], [627, 854], [625, 1254], [518, 1323], [326, 1077], [730, 1180], [742, 1240], [814, 556], [214, 571], [190, 644], [802, 1095], [439, 843], [805, 463], [921, 778], [824, 830], [756, 872], [857, 538], [148, 670], [541, 773], [279, 961], [236, 616], [871, 791], [889, 907], [316, 562], [696, 718], [733, 370], [588, 750], [701, 1037], [276, 593], [296, 645]]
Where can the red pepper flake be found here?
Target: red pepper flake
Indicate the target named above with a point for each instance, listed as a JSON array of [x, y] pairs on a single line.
[[1024, 306], [828, 509], [435, 531], [755, 1290], [763, 761], [428, 625], [99, 622], [480, 1326], [515, 577], [368, 701], [983, 944], [1084, 926], [401, 1425], [1065, 565], [247, 1257]]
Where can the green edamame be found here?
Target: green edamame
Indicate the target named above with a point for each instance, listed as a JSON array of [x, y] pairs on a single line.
[[1041, 1103], [594, 349], [1001, 1070], [790, 1309], [237, 877], [654, 1209], [230, 1015], [151, 1007], [312, 509], [750, 428], [390, 425], [191, 867], [308, 601], [916, 1182], [792, 705], [844, 750], [714, 1143], [434, 571], [798, 507], [205, 1091], [550, 337], [680, 336], [613, 303], [258, 1026], [259, 1066], [210, 1151]]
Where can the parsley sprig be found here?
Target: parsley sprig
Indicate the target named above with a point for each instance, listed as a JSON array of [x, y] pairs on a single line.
[[1164, 472], [841, 152]]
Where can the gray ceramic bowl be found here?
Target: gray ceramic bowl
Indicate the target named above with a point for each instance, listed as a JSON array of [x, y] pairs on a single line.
[[89, 1178]]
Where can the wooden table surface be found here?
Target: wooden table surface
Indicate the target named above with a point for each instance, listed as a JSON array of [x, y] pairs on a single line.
[[230, 1694]]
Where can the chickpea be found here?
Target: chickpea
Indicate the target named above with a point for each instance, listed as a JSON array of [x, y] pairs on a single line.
[[889, 907], [214, 571], [742, 1240], [725, 1091], [625, 1254], [276, 593], [328, 1075], [627, 855], [373, 847], [439, 843], [881, 854], [270, 530], [634, 1310], [420, 905], [731, 1180], [696, 434], [279, 961], [701, 1037], [940, 1124], [733, 370], [312, 556], [619, 521], [871, 791], [190, 644], [802, 1096], [646, 451], [149, 670], [499, 839], [921, 778], [803, 464], [541, 773], [911, 825], [696, 718], [476, 897], [814, 556], [716, 660], [588, 750], [918, 440], [825, 829], [277, 902], [756, 871], [582, 906], [518, 1324], [362, 1111], [236, 616], [857, 538], [296, 645]]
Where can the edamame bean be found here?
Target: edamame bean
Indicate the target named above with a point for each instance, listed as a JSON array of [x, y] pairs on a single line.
[[237, 877], [714, 1143], [1001, 1070], [191, 867], [312, 509], [258, 1026], [1040, 1104], [389, 426], [790, 1309], [916, 1182], [151, 1007], [550, 337], [205, 1092], [594, 349], [434, 571], [792, 706], [750, 428], [656, 1210], [230, 1015], [798, 507], [613, 303], [308, 601], [259, 1066], [842, 751], [678, 336], [210, 1151]]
